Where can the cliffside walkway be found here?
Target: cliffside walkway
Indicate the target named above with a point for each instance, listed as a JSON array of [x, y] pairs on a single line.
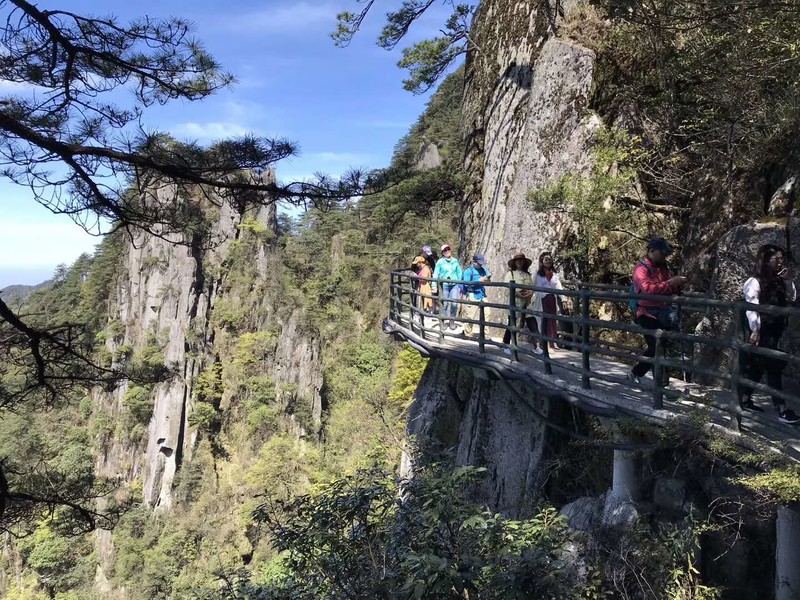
[[589, 366]]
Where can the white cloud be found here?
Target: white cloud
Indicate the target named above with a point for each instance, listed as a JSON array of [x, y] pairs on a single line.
[[289, 18], [53, 243], [208, 132], [15, 87]]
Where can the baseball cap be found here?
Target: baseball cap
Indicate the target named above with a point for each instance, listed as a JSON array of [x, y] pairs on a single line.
[[478, 258], [445, 247]]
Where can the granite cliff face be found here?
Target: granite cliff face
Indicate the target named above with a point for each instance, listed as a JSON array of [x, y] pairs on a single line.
[[527, 123], [486, 424], [165, 295]]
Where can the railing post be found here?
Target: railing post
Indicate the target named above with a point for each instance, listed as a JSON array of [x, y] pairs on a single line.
[[658, 373], [787, 553], [585, 338], [391, 298], [481, 328], [736, 367], [413, 298], [512, 317]]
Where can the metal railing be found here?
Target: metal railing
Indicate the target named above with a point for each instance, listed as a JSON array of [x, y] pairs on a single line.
[[405, 312]]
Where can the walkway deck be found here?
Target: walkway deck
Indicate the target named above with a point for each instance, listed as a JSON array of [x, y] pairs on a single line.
[[614, 397]]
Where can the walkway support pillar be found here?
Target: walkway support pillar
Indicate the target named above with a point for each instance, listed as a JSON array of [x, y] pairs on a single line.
[[787, 553], [627, 484]]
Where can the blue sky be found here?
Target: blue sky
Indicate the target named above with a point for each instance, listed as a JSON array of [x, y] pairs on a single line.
[[344, 107]]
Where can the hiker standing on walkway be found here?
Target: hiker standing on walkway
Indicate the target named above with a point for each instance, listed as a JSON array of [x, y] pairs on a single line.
[[448, 267], [430, 258], [548, 302], [477, 273], [770, 285], [652, 276], [519, 273], [424, 287]]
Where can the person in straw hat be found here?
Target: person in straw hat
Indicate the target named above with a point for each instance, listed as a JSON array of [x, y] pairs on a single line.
[[424, 287], [519, 273]]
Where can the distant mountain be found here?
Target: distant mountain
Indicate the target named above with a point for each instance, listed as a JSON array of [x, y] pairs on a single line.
[[18, 293]]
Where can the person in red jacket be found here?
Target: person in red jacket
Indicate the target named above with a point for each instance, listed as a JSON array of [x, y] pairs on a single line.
[[652, 276]]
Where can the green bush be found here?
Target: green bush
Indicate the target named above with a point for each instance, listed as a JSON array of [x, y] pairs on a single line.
[[204, 417], [261, 417], [261, 389], [138, 402], [115, 328]]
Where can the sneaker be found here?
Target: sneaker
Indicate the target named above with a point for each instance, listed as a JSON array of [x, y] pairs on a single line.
[[788, 416], [748, 405], [538, 350], [633, 378], [452, 324]]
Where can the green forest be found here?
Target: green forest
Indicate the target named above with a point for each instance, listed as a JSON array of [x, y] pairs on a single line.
[[283, 499]]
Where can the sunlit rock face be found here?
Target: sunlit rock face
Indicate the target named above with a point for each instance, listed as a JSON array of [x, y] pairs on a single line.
[[168, 291], [527, 123]]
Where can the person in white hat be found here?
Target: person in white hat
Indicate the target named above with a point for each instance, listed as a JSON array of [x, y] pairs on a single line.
[[448, 268]]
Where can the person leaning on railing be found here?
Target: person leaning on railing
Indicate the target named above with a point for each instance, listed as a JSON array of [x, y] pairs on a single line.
[[770, 285], [476, 274], [652, 276], [448, 267], [520, 274]]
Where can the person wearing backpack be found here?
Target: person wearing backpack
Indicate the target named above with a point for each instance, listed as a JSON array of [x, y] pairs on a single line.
[[770, 285], [652, 276], [477, 273], [431, 258]]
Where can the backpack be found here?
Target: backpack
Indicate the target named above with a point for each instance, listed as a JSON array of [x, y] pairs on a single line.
[[633, 303]]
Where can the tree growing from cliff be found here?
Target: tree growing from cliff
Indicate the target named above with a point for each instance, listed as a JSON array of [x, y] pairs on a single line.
[[426, 61], [66, 137]]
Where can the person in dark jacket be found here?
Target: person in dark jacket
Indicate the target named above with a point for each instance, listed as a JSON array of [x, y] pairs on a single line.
[[652, 276], [770, 285]]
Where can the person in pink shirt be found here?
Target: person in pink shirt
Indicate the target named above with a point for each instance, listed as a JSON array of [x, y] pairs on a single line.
[[652, 276]]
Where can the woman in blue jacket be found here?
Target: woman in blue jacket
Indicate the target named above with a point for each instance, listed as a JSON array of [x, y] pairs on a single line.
[[477, 273], [449, 268]]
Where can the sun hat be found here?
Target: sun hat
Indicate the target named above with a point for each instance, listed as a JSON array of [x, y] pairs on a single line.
[[660, 244], [518, 256], [478, 258]]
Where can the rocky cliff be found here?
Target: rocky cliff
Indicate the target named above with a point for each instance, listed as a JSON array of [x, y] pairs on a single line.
[[164, 305], [527, 122]]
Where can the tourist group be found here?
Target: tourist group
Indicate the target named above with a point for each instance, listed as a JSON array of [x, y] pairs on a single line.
[[771, 284]]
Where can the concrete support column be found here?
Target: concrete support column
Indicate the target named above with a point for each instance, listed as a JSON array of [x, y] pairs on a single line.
[[787, 553], [627, 482]]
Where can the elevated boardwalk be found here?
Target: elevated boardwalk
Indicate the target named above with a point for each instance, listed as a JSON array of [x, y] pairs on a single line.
[[592, 373]]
